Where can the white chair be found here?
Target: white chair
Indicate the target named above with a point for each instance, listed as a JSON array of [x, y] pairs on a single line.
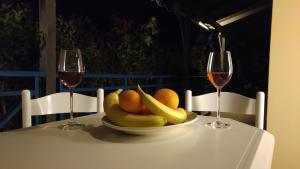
[[230, 102], [59, 103]]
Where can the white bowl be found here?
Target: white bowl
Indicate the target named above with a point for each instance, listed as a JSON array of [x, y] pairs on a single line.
[[191, 118]]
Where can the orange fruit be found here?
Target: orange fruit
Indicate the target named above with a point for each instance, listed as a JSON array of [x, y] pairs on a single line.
[[168, 97], [145, 111], [130, 101]]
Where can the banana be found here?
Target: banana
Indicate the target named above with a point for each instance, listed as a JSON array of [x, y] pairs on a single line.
[[181, 110], [172, 115], [120, 117]]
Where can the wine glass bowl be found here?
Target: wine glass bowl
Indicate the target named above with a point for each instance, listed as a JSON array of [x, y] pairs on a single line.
[[70, 79], [219, 72], [70, 71]]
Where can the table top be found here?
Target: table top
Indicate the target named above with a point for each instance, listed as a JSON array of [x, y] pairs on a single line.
[[96, 146]]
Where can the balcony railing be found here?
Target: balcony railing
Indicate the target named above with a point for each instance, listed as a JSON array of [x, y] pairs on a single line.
[[5, 118]]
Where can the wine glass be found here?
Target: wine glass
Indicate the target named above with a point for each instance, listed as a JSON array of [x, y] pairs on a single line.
[[70, 72], [219, 72]]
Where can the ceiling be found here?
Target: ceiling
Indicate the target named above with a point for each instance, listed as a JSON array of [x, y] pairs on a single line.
[[215, 12]]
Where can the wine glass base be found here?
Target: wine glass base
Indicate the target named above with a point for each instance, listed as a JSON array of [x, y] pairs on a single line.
[[218, 125], [72, 125]]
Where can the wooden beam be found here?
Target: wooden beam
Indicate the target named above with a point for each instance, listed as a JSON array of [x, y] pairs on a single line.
[[47, 24], [244, 13]]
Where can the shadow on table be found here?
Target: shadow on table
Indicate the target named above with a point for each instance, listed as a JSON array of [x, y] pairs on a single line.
[[109, 135]]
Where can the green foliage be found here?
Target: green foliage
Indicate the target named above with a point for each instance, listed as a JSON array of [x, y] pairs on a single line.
[[66, 33], [126, 47], [199, 56], [130, 45], [19, 37], [82, 33], [199, 52]]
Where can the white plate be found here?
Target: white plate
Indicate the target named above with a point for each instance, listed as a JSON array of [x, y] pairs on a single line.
[[191, 118]]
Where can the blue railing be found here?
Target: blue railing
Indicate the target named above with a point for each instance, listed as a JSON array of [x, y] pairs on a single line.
[[35, 91], [153, 81], [158, 82]]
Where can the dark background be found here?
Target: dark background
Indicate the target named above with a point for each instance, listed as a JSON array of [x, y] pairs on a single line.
[[137, 10], [247, 39]]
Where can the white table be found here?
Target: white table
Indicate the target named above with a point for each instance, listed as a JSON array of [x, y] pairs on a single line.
[[98, 147]]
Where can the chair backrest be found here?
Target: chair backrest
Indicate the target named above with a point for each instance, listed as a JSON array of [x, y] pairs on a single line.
[[230, 102], [59, 103]]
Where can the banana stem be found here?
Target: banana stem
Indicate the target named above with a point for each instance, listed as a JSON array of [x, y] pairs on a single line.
[[119, 91], [140, 90]]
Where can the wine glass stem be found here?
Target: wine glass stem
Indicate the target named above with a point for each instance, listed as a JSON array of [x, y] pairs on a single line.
[[218, 104], [71, 104]]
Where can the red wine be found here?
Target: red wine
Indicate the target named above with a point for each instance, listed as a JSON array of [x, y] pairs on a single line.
[[70, 79], [219, 79]]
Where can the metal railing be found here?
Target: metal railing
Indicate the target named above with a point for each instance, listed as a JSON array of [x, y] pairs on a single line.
[[35, 91], [159, 81], [152, 81]]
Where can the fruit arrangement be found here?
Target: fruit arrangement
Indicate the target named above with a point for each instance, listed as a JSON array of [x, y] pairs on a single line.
[[138, 109]]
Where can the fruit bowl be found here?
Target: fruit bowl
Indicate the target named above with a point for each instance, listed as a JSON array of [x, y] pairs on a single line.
[[191, 118]]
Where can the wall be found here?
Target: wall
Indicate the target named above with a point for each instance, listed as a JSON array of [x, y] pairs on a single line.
[[283, 114]]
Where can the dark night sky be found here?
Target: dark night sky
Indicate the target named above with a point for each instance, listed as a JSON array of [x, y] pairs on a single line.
[[136, 9]]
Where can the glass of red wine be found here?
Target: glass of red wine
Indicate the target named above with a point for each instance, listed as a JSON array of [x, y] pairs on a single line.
[[219, 72], [70, 72]]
